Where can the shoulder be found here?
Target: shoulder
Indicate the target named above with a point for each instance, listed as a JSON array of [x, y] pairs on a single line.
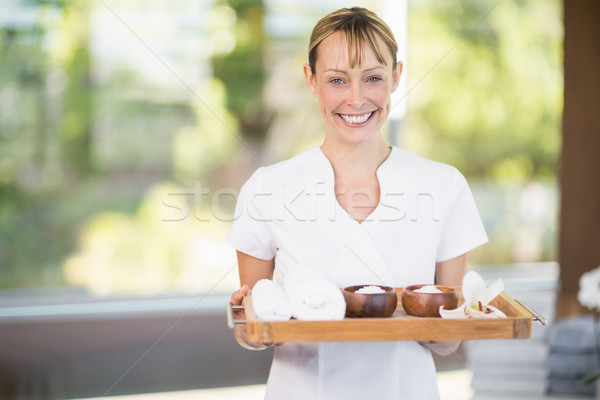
[[292, 169], [302, 161], [298, 170], [423, 168]]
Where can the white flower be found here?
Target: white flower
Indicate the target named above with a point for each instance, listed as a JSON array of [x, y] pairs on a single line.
[[477, 298], [589, 289]]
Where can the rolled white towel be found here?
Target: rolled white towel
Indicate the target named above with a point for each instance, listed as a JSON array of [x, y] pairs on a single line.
[[312, 296], [270, 301]]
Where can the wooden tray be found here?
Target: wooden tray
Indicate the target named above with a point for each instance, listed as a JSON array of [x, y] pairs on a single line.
[[400, 326]]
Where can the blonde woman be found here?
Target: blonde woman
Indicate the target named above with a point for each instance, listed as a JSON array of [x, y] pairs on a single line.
[[361, 211]]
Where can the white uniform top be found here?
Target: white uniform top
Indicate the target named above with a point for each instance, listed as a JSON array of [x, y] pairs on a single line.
[[288, 211]]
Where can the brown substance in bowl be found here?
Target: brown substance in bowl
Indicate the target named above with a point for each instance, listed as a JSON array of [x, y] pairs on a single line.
[[428, 304]]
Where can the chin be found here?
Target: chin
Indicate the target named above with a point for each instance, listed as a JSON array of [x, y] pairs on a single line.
[[355, 138], [359, 135]]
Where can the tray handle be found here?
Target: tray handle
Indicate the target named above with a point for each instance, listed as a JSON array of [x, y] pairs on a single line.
[[231, 321], [536, 316]]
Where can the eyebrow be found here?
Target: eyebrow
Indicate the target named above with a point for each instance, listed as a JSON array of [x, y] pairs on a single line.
[[343, 72]]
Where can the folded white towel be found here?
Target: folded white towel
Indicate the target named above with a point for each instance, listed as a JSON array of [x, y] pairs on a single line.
[[312, 296], [270, 301]]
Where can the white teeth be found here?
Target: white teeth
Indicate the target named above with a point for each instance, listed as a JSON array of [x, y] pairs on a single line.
[[356, 119]]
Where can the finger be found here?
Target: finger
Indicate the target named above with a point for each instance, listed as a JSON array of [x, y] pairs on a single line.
[[236, 297], [244, 290]]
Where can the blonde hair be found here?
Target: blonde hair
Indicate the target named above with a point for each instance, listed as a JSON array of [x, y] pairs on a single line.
[[360, 26]]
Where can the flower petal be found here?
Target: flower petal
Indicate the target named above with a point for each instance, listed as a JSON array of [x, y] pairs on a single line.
[[493, 291], [477, 297], [473, 288], [457, 313], [497, 312]]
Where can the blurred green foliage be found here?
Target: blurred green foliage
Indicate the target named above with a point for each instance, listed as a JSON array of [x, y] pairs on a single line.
[[150, 250], [490, 102], [242, 70], [485, 95], [206, 146], [75, 127], [87, 165]]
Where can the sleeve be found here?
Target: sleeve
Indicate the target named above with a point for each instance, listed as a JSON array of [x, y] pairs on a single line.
[[462, 228], [249, 232]]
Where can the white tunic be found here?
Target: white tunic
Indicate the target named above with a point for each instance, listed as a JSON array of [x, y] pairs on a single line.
[[288, 211]]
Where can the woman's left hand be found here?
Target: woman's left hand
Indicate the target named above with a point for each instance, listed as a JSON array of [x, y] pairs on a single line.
[[442, 347]]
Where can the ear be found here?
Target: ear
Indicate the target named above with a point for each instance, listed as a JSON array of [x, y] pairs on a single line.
[[396, 75], [310, 79]]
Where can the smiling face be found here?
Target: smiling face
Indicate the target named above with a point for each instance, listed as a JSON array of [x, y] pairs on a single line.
[[354, 100]]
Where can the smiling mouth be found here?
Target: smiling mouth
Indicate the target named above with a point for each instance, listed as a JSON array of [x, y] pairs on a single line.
[[352, 119]]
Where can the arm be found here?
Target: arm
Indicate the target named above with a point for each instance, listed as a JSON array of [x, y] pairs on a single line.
[[251, 270], [448, 273], [452, 271]]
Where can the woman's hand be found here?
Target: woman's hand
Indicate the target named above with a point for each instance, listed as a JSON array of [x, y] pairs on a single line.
[[442, 347], [251, 270], [236, 297], [240, 332], [448, 273]]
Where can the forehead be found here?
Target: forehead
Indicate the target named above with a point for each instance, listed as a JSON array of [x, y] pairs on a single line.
[[336, 52]]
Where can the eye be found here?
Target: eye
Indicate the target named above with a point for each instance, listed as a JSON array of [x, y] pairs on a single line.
[[374, 79], [336, 81]]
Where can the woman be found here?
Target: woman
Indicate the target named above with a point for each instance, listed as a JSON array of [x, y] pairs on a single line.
[[358, 210]]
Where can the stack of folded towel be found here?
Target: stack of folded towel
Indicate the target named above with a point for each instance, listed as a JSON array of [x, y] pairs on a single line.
[[306, 295], [270, 302], [313, 297], [573, 356]]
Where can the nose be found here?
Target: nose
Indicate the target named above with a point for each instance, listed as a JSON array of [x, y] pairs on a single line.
[[356, 95]]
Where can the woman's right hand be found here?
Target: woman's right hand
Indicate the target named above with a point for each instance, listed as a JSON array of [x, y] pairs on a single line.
[[251, 270], [241, 334], [236, 297]]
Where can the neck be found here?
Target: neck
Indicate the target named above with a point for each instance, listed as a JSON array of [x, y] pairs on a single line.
[[356, 160]]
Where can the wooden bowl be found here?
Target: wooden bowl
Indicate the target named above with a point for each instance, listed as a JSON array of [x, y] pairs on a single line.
[[428, 304], [370, 305]]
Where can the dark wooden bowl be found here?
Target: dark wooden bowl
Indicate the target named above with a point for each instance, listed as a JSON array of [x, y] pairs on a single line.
[[370, 305], [428, 304]]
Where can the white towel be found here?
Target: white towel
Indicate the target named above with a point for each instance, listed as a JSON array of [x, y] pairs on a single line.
[[312, 296], [270, 301]]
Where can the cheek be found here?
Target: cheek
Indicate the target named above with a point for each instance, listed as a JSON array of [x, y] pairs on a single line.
[[330, 99], [383, 94], [381, 97]]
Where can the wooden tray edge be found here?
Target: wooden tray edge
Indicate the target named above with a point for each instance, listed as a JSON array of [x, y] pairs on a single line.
[[517, 325]]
